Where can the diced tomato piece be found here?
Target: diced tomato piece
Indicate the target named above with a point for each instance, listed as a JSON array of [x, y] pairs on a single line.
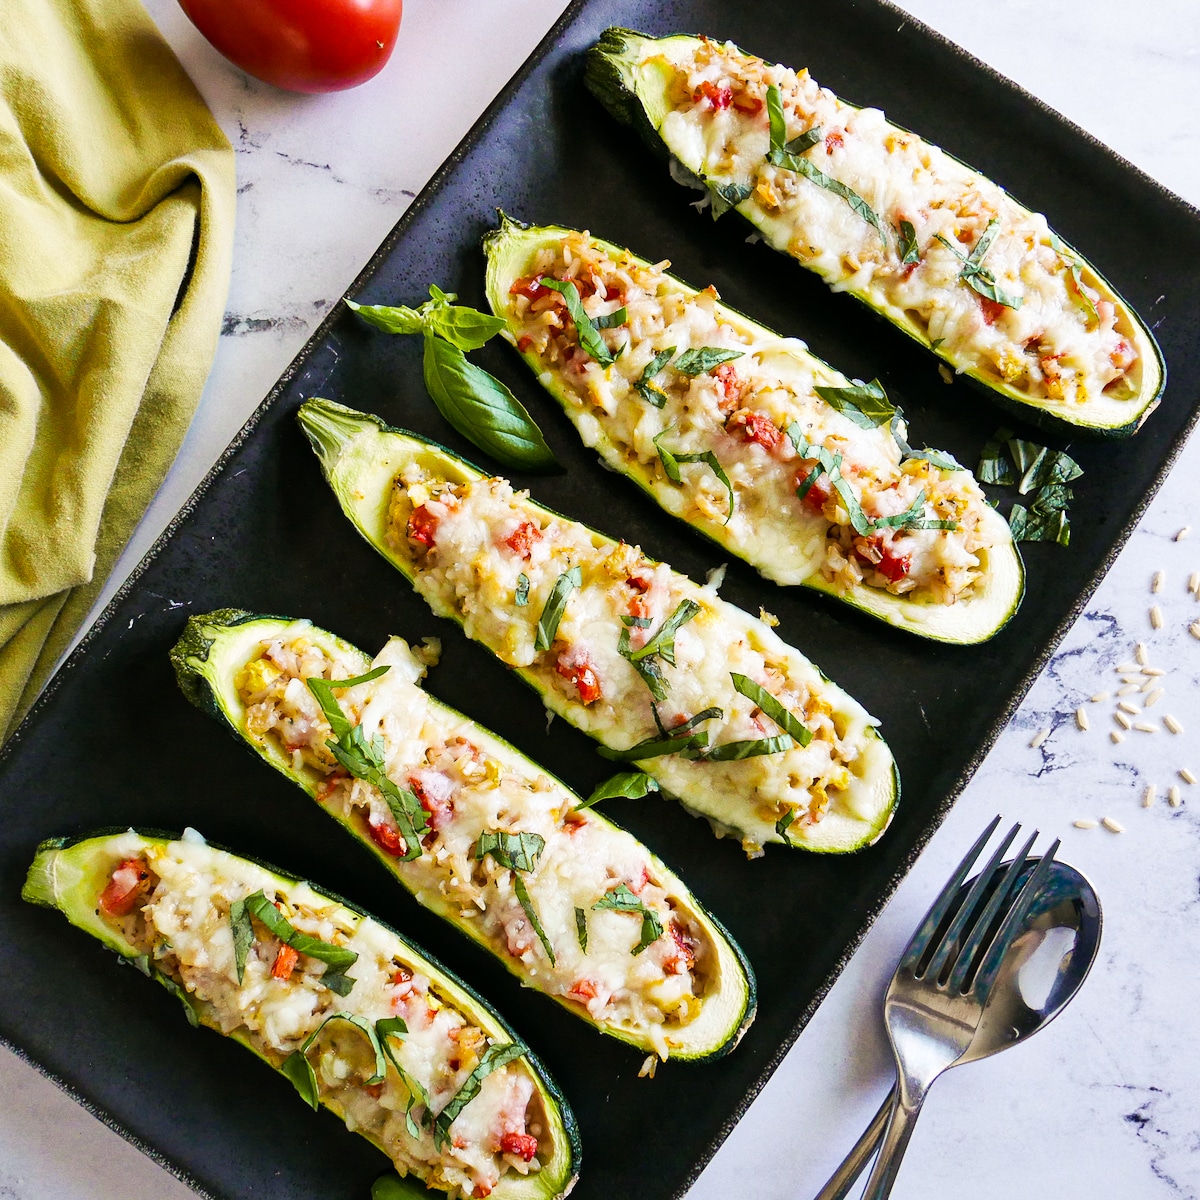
[[755, 427], [991, 310], [285, 963], [523, 1145], [750, 105], [894, 566], [684, 945], [584, 989], [819, 492], [1123, 357], [637, 886], [422, 526], [326, 788], [523, 538], [531, 288], [833, 142], [582, 674], [386, 837], [374, 1090], [129, 881], [639, 606], [728, 383], [479, 1189], [573, 820], [718, 97], [524, 342], [434, 791], [401, 976], [639, 583]]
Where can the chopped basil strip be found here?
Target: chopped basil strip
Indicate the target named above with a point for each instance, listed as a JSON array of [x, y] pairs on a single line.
[[395, 1027], [1054, 496], [243, 936], [906, 243], [645, 385], [787, 155], [337, 958], [655, 748], [581, 928], [831, 463], [705, 359], [364, 1026], [637, 622], [613, 320], [671, 461], [725, 196], [531, 912], [866, 404], [522, 595], [735, 751], [973, 273], [299, 1070], [786, 720], [365, 760], [1039, 466], [663, 641], [589, 336], [1039, 525], [648, 668], [632, 785], [936, 343], [1085, 302], [941, 459], [181, 995], [912, 518], [556, 605], [994, 466], [516, 851], [621, 899], [494, 1057], [482, 409], [783, 824]]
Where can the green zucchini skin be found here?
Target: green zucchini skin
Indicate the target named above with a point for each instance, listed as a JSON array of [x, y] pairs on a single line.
[[616, 77], [360, 455], [207, 657], [68, 874], [509, 249]]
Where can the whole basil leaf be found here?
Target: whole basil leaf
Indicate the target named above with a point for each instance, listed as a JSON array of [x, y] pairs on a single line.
[[703, 359], [632, 785], [866, 404]]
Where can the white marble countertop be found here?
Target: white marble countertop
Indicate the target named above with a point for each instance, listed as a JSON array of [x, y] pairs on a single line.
[[1104, 1102]]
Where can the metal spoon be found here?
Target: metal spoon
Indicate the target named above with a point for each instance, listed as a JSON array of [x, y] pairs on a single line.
[[1032, 987]]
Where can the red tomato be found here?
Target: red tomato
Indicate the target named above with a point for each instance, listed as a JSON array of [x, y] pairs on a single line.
[[523, 1145], [128, 882], [301, 45], [285, 963], [422, 526]]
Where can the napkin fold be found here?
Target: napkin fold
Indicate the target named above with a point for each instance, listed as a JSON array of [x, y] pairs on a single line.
[[117, 196]]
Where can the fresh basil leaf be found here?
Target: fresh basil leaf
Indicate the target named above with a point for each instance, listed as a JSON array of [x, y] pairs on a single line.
[[522, 594], [648, 390], [974, 261], [906, 244], [482, 409], [655, 748], [1053, 496], [831, 464], [941, 459], [866, 404], [671, 462], [387, 1027], [776, 119], [910, 518], [323, 689], [338, 982], [936, 343], [783, 824], [637, 622], [494, 1057], [531, 912], [516, 851], [299, 1070], [243, 936], [589, 337], [663, 641], [735, 751], [807, 482], [1034, 525], [621, 899], [973, 273], [724, 196], [398, 319], [994, 466], [614, 320], [787, 721], [395, 1027], [180, 994], [806, 141], [581, 928], [1039, 465], [338, 958], [648, 668], [632, 785], [704, 359], [465, 328], [366, 1029], [556, 605]]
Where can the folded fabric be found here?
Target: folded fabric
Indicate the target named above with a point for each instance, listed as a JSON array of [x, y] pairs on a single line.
[[117, 197]]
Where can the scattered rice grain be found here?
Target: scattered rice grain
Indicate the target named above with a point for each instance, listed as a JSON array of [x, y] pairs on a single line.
[[1086, 823], [1156, 584], [1183, 533], [1126, 707], [1117, 736], [649, 1067], [1174, 799], [1154, 697], [1122, 720], [1172, 724], [1153, 671], [1132, 679], [1150, 684], [1148, 796], [1111, 825], [1194, 629], [1186, 775], [1145, 726], [1038, 738], [1081, 719], [1125, 668], [1141, 654], [1129, 689], [1194, 582], [1156, 617], [1100, 697]]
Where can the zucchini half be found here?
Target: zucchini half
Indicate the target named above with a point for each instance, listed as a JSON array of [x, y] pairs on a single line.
[[207, 659], [70, 874], [778, 543], [361, 457], [632, 76]]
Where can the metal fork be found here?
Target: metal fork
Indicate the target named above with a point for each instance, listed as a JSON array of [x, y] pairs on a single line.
[[936, 998]]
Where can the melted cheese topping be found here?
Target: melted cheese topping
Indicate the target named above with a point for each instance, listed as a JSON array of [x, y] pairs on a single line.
[[183, 924], [1044, 330], [472, 542], [788, 521], [653, 991]]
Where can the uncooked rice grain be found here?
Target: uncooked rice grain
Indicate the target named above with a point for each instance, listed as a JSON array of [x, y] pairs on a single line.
[[1114, 826], [1086, 823], [1129, 689], [1081, 719], [1174, 799], [1126, 707], [1148, 796], [1100, 697], [1154, 697], [1038, 738], [1122, 720], [1145, 727], [1156, 584], [1141, 653], [1156, 617], [1186, 775], [1117, 736], [1172, 724], [1183, 533]]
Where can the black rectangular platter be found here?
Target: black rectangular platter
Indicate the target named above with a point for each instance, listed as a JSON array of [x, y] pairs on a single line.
[[114, 743]]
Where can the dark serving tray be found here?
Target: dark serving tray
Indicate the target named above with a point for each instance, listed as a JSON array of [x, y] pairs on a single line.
[[113, 741]]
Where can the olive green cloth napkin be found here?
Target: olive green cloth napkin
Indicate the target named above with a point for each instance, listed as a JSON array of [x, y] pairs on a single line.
[[116, 225]]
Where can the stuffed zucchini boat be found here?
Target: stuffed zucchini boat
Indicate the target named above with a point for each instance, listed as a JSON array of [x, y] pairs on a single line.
[[941, 251], [704, 698], [358, 1019], [573, 905], [789, 465]]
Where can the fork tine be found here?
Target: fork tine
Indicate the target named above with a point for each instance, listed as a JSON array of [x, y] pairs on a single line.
[[941, 906], [971, 952], [990, 960], [947, 945]]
